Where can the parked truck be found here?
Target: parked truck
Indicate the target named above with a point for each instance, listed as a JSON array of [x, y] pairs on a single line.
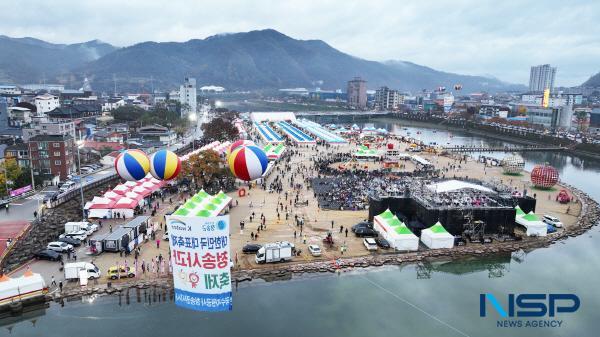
[[72, 270], [89, 228], [275, 252]]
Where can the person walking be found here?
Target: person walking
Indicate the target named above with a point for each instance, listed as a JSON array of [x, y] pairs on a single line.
[[346, 232], [157, 243], [53, 283], [60, 286]]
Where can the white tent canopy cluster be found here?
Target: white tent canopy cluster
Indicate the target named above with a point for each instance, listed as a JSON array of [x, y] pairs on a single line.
[[216, 146], [123, 198], [203, 204], [531, 222], [398, 235]]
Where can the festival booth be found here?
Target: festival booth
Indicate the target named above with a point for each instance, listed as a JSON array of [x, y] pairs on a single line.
[[28, 286], [395, 231], [124, 207], [365, 153], [203, 204], [274, 152], [531, 222], [121, 189], [128, 236], [436, 237]]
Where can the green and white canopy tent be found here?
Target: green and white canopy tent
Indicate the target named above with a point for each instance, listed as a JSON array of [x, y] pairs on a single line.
[[437, 236], [395, 231], [205, 205], [534, 225], [274, 151], [365, 153]]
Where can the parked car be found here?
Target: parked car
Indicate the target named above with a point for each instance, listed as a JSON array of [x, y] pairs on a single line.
[[383, 243], [60, 247], [314, 250], [251, 248], [552, 220], [370, 244], [365, 232], [361, 225], [71, 241], [115, 272], [48, 254], [550, 228], [79, 235]]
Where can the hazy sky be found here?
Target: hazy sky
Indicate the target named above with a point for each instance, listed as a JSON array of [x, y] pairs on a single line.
[[501, 38]]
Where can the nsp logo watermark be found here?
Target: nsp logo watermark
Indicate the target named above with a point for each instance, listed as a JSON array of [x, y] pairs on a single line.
[[520, 306]]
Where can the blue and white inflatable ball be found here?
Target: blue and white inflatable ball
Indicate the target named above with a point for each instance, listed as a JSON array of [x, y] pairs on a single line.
[[132, 165]]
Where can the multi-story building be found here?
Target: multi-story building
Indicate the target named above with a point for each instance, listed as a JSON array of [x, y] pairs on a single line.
[[44, 126], [19, 116], [541, 78], [46, 103], [493, 110], [388, 99], [357, 93], [551, 118], [187, 96], [19, 152], [113, 103], [157, 133], [52, 156], [10, 90]]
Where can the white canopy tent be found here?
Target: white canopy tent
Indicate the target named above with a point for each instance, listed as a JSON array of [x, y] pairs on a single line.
[[395, 231], [436, 237], [533, 224]]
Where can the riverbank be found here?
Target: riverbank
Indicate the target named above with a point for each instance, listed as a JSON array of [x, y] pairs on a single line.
[[163, 286], [489, 133]]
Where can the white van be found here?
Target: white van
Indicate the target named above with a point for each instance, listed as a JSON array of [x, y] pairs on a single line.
[[72, 270], [85, 226], [552, 220]]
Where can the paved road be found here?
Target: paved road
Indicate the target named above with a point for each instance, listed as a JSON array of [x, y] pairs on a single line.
[[23, 208]]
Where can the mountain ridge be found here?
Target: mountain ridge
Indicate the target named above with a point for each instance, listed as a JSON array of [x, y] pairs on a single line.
[[254, 60]]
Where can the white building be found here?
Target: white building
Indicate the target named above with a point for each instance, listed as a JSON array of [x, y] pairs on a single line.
[[46, 103], [388, 99], [10, 90], [542, 77], [113, 103], [44, 126], [47, 87], [187, 96]]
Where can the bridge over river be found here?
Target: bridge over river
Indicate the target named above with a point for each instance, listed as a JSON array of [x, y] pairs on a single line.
[[527, 148]]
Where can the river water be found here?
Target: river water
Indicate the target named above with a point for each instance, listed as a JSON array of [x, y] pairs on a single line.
[[437, 299]]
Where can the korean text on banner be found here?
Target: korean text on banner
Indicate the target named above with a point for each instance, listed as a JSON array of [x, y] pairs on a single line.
[[200, 258]]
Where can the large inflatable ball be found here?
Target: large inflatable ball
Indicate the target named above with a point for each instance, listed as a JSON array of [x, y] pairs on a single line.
[[544, 176], [132, 165], [164, 165], [238, 143], [513, 164], [248, 162]]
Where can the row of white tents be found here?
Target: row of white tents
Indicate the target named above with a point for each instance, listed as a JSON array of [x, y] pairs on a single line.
[[400, 237]]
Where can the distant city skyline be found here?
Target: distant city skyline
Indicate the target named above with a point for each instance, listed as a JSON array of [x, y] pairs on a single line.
[[491, 38]]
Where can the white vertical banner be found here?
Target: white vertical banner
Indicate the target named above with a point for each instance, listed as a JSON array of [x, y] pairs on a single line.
[[200, 258]]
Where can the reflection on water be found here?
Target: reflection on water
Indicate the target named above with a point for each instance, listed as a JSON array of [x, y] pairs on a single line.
[[438, 298]]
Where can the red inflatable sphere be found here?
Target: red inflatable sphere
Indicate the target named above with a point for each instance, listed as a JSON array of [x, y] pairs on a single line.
[[544, 176]]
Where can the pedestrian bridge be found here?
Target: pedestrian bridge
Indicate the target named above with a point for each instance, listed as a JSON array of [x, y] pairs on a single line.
[[528, 148]]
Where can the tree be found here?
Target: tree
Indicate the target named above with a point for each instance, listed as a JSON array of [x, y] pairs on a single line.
[[219, 129], [128, 113], [203, 168], [11, 169]]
